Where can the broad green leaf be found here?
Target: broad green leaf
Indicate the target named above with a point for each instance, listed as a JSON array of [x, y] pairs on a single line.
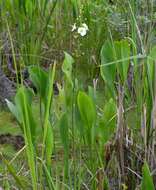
[[39, 77], [47, 131], [68, 87], [67, 67], [151, 65], [115, 56], [23, 105], [122, 51], [108, 122], [87, 109], [18, 109], [147, 181], [23, 101], [108, 72], [13, 109]]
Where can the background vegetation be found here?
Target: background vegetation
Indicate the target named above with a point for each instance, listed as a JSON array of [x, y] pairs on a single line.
[[83, 115]]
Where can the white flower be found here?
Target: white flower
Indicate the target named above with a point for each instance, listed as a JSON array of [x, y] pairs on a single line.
[[85, 26], [82, 31], [73, 27]]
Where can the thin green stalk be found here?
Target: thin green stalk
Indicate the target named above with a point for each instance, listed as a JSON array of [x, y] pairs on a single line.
[[29, 146], [13, 54], [135, 24], [47, 112], [48, 19], [50, 180]]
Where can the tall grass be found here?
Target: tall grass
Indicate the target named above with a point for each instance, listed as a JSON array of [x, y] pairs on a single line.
[[99, 131]]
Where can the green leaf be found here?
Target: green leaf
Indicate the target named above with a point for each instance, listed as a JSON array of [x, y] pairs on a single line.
[[150, 65], [64, 131], [39, 77], [147, 181], [49, 145], [13, 109], [115, 56], [107, 122], [67, 67], [108, 72], [87, 109], [65, 139], [23, 101], [122, 51]]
